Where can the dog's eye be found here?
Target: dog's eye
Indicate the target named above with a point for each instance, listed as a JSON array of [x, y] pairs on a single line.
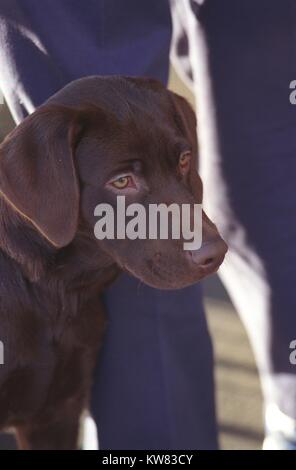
[[123, 182], [184, 162]]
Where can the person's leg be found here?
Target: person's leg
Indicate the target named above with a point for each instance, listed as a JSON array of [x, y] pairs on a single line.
[[247, 52], [153, 385], [45, 45]]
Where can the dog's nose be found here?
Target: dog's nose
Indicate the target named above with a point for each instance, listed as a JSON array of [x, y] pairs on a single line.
[[209, 257]]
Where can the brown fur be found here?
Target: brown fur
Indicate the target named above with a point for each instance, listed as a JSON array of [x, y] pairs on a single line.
[[53, 170]]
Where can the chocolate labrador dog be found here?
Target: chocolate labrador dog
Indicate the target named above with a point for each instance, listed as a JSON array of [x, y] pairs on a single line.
[[97, 138]]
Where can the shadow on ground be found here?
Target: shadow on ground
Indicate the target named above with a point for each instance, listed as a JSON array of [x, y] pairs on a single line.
[[237, 384]]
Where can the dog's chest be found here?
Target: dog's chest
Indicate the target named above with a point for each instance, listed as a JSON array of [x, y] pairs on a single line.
[[48, 363]]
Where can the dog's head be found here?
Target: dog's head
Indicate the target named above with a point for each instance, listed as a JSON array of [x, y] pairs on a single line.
[[104, 137]]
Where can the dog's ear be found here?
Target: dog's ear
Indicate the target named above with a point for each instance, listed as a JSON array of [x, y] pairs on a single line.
[[186, 119], [37, 171]]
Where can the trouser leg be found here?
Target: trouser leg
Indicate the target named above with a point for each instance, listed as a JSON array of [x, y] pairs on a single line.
[[243, 56]]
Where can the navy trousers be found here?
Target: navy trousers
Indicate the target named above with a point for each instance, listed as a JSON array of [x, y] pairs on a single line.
[[242, 59], [154, 383]]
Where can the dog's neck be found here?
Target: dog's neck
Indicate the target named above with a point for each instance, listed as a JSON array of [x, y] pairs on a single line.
[[78, 264]]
